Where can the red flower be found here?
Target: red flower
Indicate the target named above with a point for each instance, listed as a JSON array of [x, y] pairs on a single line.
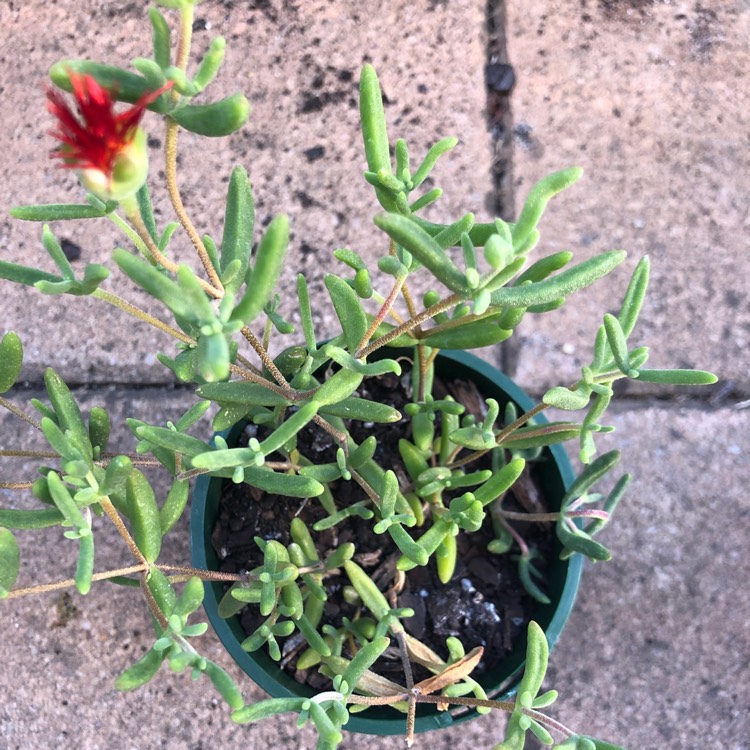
[[99, 142]]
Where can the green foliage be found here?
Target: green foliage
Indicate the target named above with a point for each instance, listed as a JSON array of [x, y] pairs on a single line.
[[239, 221], [10, 561], [93, 275], [11, 359]]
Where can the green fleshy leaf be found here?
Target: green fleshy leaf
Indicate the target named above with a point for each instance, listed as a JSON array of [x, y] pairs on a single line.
[[677, 377], [374, 130], [283, 484], [269, 707], [242, 392], [170, 439], [363, 410], [563, 284], [239, 222], [473, 335], [85, 565], [348, 309], [11, 359], [57, 212], [144, 515], [427, 165], [123, 85], [142, 671], [217, 119], [424, 248], [210, 64], [161, 36], [267, 265], [618, 344], [537, 201], [10, 561], [30, 519], [24, 274]]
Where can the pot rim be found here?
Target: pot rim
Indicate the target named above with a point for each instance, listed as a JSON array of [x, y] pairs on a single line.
[[382, 720]]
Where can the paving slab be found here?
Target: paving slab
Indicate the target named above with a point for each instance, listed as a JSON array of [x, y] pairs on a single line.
[[299, 65], [651, 99], [655, 654]]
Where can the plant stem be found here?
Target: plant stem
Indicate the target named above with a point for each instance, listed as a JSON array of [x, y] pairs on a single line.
[[252, 377], [16, 485], [114, 516], [459, 700], [548, 720], [423, 364], [70, 582], [247, 364], [422, 317], [365, 485], [136, 312], [377, 700], [507, 430], [11, 407], [495, 511], [12, 453], [153, 605], [186, 36], [339, 437], [383, 312], [132, 235], [512, 515], [205, 575], [216, 288], [268, 363]]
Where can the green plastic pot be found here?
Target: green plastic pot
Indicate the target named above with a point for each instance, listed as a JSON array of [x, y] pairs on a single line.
[[500, 683]]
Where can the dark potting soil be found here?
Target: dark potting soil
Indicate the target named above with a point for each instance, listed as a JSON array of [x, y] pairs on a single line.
[[484, 604]]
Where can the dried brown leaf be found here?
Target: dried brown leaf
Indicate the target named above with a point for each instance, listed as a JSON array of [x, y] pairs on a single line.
[[452, 674]]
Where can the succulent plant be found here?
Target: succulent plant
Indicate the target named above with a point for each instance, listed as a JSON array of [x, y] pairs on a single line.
[[227, 316]]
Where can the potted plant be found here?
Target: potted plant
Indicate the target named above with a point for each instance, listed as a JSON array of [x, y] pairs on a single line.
[[374, 476]]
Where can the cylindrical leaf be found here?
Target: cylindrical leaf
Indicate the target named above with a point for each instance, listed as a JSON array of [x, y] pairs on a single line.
[[30, 519], [433, 155], [215, 119], [374, 130], [337, 388], [144, 515], [618, 344], [142, 671], [678, 377], [265, 708], [11, 359], [191, 597], [239, 221], [349, 310], [174, 505], [537, 201], [225, 685], [10, 560], [210, 63], [561, 285], [269, 260], [123, 85], [424, 248], [85, 565], [370, 594], [67, 411]]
